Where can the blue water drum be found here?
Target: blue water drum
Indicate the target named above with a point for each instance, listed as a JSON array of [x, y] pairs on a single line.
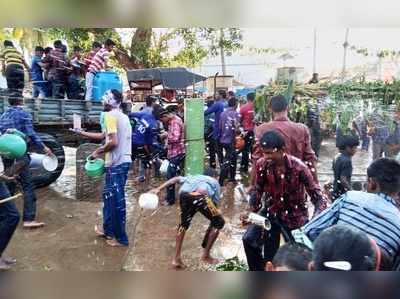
[[104, 81]]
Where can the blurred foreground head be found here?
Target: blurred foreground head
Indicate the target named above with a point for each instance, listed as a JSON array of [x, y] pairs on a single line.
[[342, 248]]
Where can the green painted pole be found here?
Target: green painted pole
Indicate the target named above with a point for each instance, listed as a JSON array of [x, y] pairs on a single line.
[[194, 135]]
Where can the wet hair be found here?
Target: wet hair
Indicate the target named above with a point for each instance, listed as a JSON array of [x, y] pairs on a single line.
[[8, 43], [272, 139], [294, 256], [149, 101], [109, 43], [222, 93], [57, 44], [15, 101], [251, 96], [345, 244], [231, 93], [279, 103], [348, 141], [232, 102], [64, 48], [47, 50], [156, 111], [210, 172], [163, 112], [39, 49], [96, 45], [117, 95], [386, 172]]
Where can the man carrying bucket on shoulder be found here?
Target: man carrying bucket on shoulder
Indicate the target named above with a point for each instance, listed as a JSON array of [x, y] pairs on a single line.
[[198, 193], [117, 147], [17, 118]]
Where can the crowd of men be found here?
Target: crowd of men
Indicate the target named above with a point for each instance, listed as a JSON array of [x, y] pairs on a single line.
[[53, 71], [349, 230]]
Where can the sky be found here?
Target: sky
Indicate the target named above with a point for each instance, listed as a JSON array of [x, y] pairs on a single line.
[[258, 69]]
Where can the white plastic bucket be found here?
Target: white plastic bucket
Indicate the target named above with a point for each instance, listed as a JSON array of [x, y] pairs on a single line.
[[49, 163], [148, 201]]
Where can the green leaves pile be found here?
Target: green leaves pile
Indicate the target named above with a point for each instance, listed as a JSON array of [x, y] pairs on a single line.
[[232, 264]]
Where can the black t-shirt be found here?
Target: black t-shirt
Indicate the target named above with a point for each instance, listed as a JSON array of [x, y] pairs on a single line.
[[342, 167]]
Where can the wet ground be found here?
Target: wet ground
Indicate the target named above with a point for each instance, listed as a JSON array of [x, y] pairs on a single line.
[[68, 241]]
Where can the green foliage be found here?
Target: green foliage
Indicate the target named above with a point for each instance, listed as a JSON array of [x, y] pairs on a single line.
[[232, 264]]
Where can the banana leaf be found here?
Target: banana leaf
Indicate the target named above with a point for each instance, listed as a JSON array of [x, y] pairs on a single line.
[[289, 92]]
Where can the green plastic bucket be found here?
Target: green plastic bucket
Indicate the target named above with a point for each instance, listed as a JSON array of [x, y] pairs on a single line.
[[94, 168], [12, 145]]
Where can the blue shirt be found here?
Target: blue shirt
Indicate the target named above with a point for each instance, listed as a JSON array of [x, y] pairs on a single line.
[[201, 182], [145, 128], [375, 214], [228, 122], [35, 70], [217, 108], [18, 118]]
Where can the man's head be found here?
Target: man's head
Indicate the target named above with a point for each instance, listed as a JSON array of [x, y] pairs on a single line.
[[77, 50], [251, 96], [222, 94], [232, 103], [39, 51], [344, 248], [15, 101], [109, 44], [349, 145], [164, 116], [8, 43], [112, 99], [291, 257], [384, 176], [47, 50], [231, 94], [58, 44], [279, 104], [64, 49], [96, 46], [273, 146], [150, 101]]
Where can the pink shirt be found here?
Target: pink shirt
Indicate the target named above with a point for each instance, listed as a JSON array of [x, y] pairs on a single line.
[[176, 141], [247, 116]]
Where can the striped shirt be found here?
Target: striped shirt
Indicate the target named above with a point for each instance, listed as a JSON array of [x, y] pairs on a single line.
[[375, 214], [99, 61], [10, 55]]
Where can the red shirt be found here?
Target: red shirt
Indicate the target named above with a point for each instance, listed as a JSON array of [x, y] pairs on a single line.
[[175, 141], [247, 116], [285, 196]]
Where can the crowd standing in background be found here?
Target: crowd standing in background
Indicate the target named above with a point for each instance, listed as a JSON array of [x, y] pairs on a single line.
[[348, 230]]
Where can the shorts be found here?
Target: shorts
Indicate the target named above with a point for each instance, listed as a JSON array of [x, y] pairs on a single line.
[[140, 153], [191, 204]]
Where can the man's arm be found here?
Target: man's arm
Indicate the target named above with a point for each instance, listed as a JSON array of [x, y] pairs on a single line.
[[309, 155], [168, 183], [326, 219], [90, 135], [30, 132], [211, 109], [111, 144], [313, 189]]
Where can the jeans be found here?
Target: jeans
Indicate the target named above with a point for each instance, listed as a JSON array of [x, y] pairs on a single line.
[[228, 168], [256, 240], [39, 89], [9, 218], [174, 168], [89, 86], [58, 88], [249, 140], [378, 149], [114, 209], [15, 79], [25, 179], [215, 150], [73, 87]]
